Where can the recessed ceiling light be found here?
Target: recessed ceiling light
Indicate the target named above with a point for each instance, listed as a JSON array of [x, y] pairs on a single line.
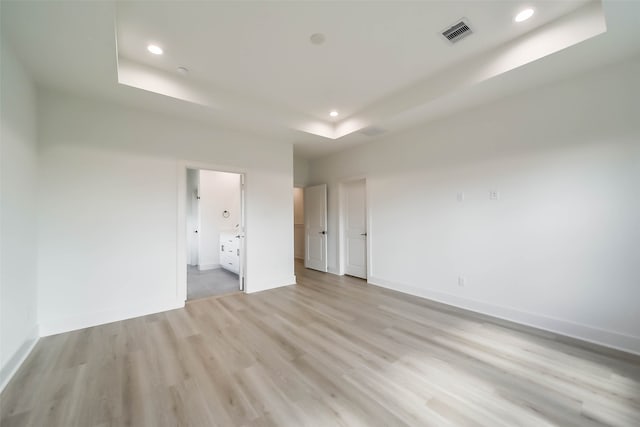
[[156, 50], [317, 38], [334, 113], [524, 15]]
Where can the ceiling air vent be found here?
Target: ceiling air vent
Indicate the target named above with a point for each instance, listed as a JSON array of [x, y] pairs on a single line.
[[457, 31], [372, 131]]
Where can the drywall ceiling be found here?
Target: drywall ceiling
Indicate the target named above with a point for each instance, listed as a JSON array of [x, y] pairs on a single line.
[[253, 67], [263, 49]]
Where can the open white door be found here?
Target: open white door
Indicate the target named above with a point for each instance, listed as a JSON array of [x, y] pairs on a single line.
[[241, 235], [355, 228], [315, 221]]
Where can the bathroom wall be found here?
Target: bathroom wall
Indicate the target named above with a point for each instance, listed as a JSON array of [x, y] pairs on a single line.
[[218, 191]]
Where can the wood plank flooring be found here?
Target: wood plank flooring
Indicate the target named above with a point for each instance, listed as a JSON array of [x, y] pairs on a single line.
[[331, 351]]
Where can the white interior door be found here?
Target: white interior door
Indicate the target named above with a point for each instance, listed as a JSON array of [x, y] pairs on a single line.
[[194, 222], [241, 234], [315, 220], [192, 216], [355, 228]]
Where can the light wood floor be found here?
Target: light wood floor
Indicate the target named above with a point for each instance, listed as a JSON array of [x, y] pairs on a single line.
[[329, 352]]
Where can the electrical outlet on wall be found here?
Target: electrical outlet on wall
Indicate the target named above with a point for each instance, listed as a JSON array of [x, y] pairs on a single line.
[[460, 196], [461, 281], [494, 195]]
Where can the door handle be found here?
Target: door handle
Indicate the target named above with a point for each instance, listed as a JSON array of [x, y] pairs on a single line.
[[322, 232], [363, 234]]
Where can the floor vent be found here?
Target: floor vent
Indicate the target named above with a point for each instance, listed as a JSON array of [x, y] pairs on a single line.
[[457, 31]]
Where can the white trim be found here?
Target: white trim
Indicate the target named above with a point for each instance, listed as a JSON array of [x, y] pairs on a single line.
[[181, 224], [208, 267], [67, 324], [611, 339], [334, 270], [13, 364], [287, 282]]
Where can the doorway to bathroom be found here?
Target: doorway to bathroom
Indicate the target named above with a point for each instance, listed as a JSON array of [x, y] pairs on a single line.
[[215, 233]]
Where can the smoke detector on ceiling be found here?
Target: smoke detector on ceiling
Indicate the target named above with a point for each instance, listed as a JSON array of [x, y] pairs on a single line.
[[317, 38], [458, 31]]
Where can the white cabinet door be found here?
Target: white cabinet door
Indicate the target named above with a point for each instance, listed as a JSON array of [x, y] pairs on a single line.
[[315, 220], [230, 252]]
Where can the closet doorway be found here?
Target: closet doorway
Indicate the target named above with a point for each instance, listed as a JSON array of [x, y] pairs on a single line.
[[215, 233], [298, 225]]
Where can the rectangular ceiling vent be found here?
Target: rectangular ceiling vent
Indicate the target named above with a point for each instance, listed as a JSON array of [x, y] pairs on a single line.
[[373, 131], [457, 31]]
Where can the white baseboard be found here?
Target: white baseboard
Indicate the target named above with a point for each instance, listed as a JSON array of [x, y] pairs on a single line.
[[276, 284], [208, 267], [67, 324], [334, 270], [9, 370], [611, 339]]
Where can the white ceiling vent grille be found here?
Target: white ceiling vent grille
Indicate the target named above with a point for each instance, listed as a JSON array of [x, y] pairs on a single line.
[[373, 131], [457, 31]]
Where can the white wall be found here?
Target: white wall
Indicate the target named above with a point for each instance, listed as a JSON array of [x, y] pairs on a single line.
[[558, 250], [219, 191], [298, 222], [18, 156], [300, 172], [109, 200]]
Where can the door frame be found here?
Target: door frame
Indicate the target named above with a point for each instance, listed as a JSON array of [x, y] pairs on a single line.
[[181, 229], [342, 212]]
